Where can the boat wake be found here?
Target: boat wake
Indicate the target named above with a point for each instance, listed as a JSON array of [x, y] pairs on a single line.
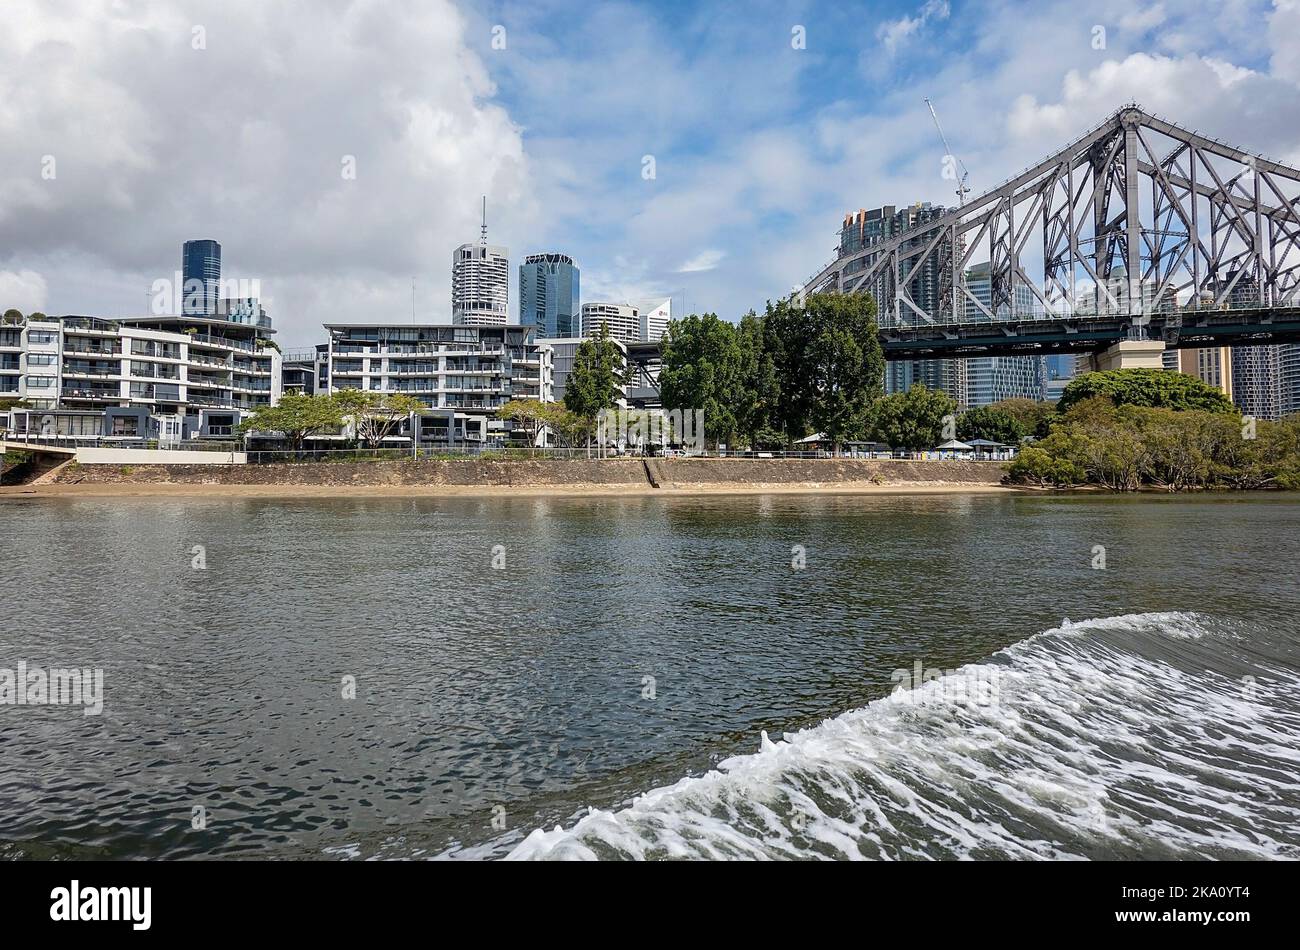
[[1155, 735]]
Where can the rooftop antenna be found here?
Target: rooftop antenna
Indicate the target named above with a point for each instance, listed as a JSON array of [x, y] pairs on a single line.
[[483, 230], [962, 188]]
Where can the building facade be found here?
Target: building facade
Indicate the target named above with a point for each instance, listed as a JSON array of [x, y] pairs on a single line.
[[195, 376], [621, 319], [200, 276], [549, 295], [306, 372], [865, 228], [462, 374], [480, 285], [985, 380], [655, 315]]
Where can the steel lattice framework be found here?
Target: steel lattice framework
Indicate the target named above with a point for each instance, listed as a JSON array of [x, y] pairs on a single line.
[[1138, 217]]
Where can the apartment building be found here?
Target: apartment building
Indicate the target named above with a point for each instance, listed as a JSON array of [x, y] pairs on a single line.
[[148, 377], [463, 374], [306, 372]]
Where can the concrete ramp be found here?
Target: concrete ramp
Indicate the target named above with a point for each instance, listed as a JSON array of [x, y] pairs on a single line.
[[31, 462]]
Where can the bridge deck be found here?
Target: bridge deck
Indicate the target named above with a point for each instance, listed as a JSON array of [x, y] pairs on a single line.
[[1266, 326]]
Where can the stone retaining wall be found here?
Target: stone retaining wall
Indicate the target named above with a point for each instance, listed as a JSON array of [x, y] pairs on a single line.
[[629, 473]]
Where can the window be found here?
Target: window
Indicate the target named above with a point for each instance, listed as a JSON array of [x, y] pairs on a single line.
[[40, 382], [41, 337], [41, 359]]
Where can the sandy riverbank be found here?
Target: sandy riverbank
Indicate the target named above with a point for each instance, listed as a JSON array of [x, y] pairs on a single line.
[[163, 490]]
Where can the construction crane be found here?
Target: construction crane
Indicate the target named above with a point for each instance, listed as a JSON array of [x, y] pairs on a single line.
[[962, 188]]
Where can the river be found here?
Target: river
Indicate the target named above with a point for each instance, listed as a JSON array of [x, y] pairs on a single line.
[[1095, 676]]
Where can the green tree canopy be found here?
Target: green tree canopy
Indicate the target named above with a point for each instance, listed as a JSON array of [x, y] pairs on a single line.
[[702, 370], [844, 363], [298, 417], [376, 416], [13, 316], [913, 420], [757, 405], [1153, 388], [1034, 417], [988, 422], [597, 375]]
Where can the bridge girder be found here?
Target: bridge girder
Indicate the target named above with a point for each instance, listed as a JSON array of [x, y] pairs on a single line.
[[1135, 217]]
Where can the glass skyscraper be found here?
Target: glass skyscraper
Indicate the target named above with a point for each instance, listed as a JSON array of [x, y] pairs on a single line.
[[549, 295], [201, 276], [989, 379]]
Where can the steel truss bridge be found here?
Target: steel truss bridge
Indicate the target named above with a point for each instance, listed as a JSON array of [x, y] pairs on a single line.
[[1138, 230]]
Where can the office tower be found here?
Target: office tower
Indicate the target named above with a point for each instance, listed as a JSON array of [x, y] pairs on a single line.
[[480, 282], [622, 320], [201, 276], [656, 314], [549, 295], [989, 379], [1288, 362]]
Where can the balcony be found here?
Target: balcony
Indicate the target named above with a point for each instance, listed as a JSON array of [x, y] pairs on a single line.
[[98, 393], [202, 339], [212, 401], [74, 347], [91, 325], [93, 372]]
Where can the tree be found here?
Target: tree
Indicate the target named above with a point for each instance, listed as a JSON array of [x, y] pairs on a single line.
[[787, 332], [37, 317], [13, 316], [375, 416], [297, 417], [597, 375], [702, 362], [529, 415], [987, 422], [912, 420], [756, 406], [1034, 417], [1154, 388], [844, 363]]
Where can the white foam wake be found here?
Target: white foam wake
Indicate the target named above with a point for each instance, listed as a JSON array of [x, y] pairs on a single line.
[[1095, 746]]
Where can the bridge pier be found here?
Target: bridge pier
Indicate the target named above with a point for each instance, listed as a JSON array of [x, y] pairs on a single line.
[[1128, 354]]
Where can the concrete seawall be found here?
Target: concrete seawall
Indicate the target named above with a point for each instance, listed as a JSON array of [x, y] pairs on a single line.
[[461, 476]]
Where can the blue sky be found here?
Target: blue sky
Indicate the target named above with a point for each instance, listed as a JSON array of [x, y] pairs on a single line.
[[759, 148]]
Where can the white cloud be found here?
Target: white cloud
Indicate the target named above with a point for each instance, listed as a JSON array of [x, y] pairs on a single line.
[[23, 290], [705, 260], [894, 33], [244, 141]]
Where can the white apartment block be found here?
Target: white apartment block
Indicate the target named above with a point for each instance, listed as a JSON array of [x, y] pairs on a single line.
[[187, 376], [480, 285], [462, 374], [622, 319]]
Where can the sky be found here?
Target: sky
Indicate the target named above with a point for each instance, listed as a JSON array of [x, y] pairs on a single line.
[[339, 149]]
